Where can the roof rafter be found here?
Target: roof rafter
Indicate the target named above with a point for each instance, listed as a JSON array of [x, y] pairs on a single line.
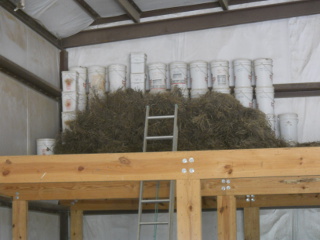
[[88, 9], [131, 9], [193, 23], [224, 4]]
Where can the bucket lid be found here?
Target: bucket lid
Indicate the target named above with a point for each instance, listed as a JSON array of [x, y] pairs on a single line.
[[78, 69], [157, 65], [241, 61], [198, 63], [288, 115], [183, 64], [117, 67], [263, 61], [95, 68], [218, 63]]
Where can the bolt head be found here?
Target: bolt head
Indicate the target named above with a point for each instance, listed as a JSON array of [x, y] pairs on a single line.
[[252, 200], [223, 181], [184, 170], [252, 196], [191, 170], [184, 160], [228, 181], [191, 159], [228, 187], [248, 196], [223, 188], [247, 199]]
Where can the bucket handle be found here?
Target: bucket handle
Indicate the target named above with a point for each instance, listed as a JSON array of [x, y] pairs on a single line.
[[245, 95], [201, 70], [246, 68]]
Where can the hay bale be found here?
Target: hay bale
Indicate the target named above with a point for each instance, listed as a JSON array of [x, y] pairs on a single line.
[[213, 121]]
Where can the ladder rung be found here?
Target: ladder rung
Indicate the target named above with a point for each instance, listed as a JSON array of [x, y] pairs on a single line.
[[159, 137], [153, 223], [161, 117], [155, 200]]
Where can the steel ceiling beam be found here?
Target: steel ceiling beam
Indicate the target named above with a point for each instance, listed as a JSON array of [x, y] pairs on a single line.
[[131, 9], [30, 22], [88, 9], [193, 23], [166, 11], [224, 4]]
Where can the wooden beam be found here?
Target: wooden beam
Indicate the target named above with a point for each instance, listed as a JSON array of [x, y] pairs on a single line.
[[28, 78], [174, 10], [19, 220], [188, 210], [76, 225], [229, 164], [131, 9], [261, 185], [227, 218], [251, 220], [30, 22], [88, 9], [193, 23]]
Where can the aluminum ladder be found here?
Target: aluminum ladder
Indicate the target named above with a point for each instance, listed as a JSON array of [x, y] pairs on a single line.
[[171, 198]]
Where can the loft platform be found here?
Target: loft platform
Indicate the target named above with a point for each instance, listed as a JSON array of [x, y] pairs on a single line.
[[227, 175]]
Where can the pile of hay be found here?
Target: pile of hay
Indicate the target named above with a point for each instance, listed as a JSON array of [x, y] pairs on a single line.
[[214, 121]]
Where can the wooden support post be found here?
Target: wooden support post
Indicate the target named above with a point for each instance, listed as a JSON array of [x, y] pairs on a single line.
[[19, 220], [76, 225], [189, 209], [251, 223], [227, 221], [64, 226]]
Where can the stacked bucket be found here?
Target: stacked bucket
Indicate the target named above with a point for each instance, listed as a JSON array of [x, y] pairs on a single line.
[[220, 76], [179, 77], [157, 77], [264, 89], [138, 71], [243, 90], [198, 78]]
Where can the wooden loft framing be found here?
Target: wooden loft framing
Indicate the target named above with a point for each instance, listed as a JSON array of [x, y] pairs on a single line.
[[227, 174]]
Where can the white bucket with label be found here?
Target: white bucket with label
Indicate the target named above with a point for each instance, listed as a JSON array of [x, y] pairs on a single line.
[[45, 146], [67, 118], [220, 74], [117, 75], [198, 78], [69, 101], [97, 80], [265, 99], [82, 102], [157, 77], [242, 71], [82, 78], [289, 127], [222, 90], [244, 95], [69, 81], [263, 72], [272, 120], [179, 77]]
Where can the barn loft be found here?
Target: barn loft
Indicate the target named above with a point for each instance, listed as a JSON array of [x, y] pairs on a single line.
[[261, 193]]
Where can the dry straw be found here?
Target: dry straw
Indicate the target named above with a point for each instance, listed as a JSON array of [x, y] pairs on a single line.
[[213, 121]]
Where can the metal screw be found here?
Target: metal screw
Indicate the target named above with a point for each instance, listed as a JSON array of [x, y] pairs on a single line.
[[248, 199], [184, 170], [248, 196], [191, 170], [223, 188], [252, 200], [17, 193], [252, 196], [191, 159], [228, 187], [223, 181], [228, 181], [184, 160]]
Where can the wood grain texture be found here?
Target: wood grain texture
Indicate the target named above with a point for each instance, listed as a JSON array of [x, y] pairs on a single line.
[[251, 223], [227, 218], [19, 220], [76, 226]]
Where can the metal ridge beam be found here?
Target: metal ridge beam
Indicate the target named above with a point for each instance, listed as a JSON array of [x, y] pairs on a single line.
[[193, 23], [30, 22], [12, 69]]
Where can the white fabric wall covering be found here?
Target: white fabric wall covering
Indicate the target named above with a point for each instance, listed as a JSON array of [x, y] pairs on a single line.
[[26, 48], [40, 225]]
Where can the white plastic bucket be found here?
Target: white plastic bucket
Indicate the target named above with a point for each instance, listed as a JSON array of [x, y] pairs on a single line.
[[138, 81], [82, 102], [97, 80], [138, 63], [244, 95], [222, 90], [82, 78], [272, 120], [263, 72], [198, 78], [179, 77], [117, 75], [69, 81], [67, 117], [220, 74], [265, 99], [157, 77], [45, 146], [242, 71], [69, 101], [289, 127]]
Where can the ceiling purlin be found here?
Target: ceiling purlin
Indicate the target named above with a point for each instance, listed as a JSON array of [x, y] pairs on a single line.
[[224, 4], [131, 9], [88, 9]]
